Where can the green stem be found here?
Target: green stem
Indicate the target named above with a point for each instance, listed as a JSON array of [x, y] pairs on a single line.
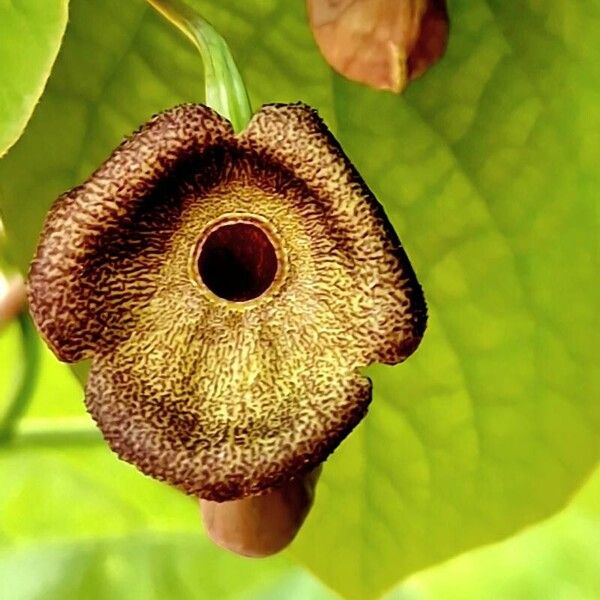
[[225, 90], [55, 432], [27, 378]]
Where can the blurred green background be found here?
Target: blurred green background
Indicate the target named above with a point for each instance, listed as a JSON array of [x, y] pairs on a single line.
[[66, 535], [488, 169]]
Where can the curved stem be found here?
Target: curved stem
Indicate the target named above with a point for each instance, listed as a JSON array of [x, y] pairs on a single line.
[[55, 432], [225, 90], [27, 378], [13, 300]]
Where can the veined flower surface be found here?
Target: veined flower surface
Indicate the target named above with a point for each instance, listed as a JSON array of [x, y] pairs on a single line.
[[228, 288]]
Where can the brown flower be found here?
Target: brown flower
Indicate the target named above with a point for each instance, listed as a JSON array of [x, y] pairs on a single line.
[[382, 43], [227, 288]]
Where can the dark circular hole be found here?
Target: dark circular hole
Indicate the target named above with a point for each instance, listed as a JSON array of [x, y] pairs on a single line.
[[237, 261]]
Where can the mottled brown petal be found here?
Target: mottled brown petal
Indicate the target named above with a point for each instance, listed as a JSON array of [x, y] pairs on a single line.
[[227, 392], [382, 43], [87, 236], [391, 311]]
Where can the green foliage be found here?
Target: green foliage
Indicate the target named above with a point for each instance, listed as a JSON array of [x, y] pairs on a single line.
[[555, 560], [30, 36], [486, 167], [78, 524]]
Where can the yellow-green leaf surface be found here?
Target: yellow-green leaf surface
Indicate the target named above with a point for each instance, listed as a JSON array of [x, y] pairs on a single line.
[[109, 540], [30, 36], [77, 524], [557, 559], [487, 168]]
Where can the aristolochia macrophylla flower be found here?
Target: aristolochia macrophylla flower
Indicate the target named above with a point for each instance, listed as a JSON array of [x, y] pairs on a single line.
[[228, 288]]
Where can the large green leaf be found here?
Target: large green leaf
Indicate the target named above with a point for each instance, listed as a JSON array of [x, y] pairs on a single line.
[[557, 559], [91, 551], [487, 169], [30, 36]]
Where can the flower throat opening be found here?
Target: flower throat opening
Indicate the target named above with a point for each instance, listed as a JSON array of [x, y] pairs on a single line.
[[237, 261]]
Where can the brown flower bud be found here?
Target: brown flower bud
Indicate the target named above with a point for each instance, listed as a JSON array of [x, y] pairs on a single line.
[[261, 525], [382, 43]]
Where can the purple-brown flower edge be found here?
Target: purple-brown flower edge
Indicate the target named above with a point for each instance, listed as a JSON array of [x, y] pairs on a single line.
[[228, 288]]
